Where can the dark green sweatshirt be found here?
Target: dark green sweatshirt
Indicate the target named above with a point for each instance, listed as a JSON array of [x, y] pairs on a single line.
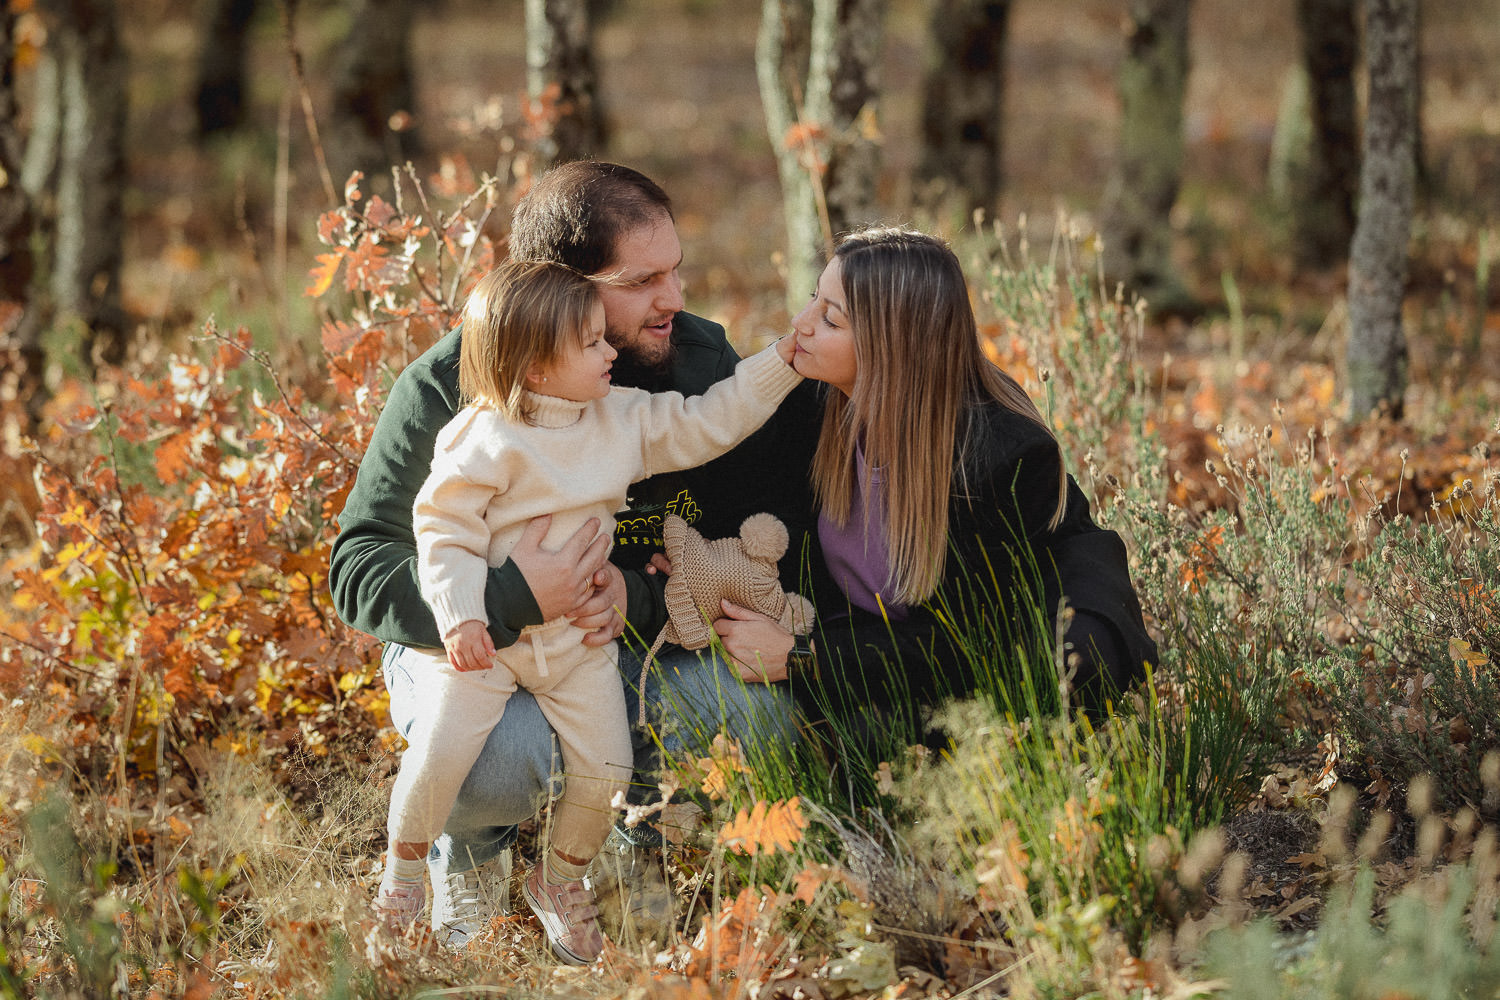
[[373, 574]]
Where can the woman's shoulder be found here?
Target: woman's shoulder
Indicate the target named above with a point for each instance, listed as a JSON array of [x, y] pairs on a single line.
[[994, 433]]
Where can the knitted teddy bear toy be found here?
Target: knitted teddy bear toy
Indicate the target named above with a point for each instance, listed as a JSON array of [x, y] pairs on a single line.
[[741, 570]]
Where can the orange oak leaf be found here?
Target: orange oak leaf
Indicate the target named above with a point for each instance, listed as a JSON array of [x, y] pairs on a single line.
[[765, 828], [322, 274]]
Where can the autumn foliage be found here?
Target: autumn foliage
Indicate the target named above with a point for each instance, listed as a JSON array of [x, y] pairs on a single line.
[[185, 521]]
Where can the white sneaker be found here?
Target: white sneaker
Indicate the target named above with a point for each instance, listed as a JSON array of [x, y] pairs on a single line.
[[463, 902]]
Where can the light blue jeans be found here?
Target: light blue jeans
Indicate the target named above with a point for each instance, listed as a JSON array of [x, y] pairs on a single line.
[[690, 698]]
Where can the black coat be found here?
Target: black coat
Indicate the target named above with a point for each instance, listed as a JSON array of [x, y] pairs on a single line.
[[1002, 579]]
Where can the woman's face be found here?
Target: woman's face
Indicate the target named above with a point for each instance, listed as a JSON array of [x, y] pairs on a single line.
[[824, 338]]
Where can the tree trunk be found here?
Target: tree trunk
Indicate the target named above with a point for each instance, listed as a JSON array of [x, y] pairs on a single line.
[[1322, 183], [89, 234], [963, 103], [560, 72], [817, 62], [220, 92], [791, 67], [1153, 82], [19, 320], [854, 104], [374, 101], [1377, 359]]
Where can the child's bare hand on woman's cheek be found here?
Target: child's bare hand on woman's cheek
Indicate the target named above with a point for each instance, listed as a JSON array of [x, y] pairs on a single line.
[[469, 646]]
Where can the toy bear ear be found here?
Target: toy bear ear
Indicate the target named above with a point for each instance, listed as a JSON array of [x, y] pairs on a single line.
[[674, 532], [799, 614], [764, 537]]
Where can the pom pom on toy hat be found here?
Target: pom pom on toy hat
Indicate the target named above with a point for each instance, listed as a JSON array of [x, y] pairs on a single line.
[[740, 570]]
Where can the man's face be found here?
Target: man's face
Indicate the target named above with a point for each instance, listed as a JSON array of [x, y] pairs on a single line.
[[645, 295]]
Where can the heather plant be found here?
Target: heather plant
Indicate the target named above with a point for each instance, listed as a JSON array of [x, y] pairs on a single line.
[[1415, 691]]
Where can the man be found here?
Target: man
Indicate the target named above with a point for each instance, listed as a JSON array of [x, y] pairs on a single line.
[[609, 220]]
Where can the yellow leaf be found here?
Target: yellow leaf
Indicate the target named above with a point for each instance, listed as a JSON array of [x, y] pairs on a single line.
[[1463, 655]]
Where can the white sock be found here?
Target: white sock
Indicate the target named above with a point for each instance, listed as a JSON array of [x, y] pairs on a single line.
[[558, 870], [399, 869]]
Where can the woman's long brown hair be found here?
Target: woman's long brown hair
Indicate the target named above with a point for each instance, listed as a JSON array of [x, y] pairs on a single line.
[[920, 365]]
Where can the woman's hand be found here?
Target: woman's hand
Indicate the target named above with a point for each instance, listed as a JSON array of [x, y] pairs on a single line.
[[756, 643], [469, 646]]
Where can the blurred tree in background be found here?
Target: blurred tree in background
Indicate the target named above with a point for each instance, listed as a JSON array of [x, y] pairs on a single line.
[[1147, 173], [17, 224], [819, 70], [74, 173], [1377, 354], [818, 64], [561, 75], [963, 102], [1322, 184], [220, 91], [373, 111]]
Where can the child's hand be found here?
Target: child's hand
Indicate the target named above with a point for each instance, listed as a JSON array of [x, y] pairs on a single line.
[[786, 347], [469, 646], [659, 564]]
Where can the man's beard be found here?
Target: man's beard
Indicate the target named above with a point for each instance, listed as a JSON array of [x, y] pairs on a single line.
[[636, 372]]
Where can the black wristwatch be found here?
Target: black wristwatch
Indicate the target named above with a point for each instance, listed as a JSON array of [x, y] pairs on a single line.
[[801, 658]]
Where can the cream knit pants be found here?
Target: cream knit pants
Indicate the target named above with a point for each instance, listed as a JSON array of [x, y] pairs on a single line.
[[579, 690]]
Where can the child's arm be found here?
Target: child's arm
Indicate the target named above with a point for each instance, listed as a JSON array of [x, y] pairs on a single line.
[[372, 572], [453, 538], [680, 432]]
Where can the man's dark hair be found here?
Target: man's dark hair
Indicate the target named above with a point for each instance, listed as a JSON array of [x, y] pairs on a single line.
[[577, 213]]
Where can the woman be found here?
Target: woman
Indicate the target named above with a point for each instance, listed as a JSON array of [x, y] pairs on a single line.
[[948, 528]]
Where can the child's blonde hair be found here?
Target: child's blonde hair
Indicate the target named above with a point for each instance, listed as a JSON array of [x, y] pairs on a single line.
[[522, 313]]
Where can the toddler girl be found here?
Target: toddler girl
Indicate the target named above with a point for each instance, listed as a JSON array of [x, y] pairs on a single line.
[[543, 432]]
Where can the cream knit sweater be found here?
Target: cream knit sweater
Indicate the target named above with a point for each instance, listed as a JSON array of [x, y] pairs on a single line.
[[491, 475]]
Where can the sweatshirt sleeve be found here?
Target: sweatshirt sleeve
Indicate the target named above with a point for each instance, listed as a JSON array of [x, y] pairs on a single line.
[[373, 567], [681, 432], [453, 538]]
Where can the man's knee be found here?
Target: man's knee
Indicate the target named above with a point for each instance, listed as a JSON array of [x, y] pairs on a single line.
[[514, 771], [699, 696]]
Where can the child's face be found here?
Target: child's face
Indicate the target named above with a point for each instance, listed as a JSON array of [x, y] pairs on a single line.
[[581, 371]]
